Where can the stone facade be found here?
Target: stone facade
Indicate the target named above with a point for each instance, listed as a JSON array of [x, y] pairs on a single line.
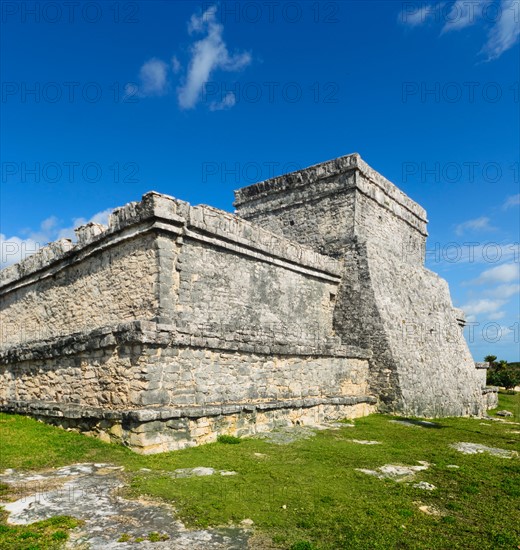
[[388, 302], [177, 323]]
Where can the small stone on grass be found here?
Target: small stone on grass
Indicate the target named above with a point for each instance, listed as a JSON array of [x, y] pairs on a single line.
[[424, 485], [396, 472]]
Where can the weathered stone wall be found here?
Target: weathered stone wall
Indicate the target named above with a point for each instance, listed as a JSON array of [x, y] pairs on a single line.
[[239, 296], [286, 213], [202, 270], [131, 368], [387, 302], [436, 373], [396, 228], [109, 287], [328, 205], [176, 323], [174, 306]]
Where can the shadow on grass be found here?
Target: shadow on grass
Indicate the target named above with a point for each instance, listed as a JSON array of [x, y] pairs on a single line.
[[422, 423]]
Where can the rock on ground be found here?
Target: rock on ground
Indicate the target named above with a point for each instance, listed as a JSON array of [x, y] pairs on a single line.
[[477, 448], [90, 492]]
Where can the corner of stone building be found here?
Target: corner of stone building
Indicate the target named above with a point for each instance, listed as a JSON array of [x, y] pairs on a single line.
[[357, 321]]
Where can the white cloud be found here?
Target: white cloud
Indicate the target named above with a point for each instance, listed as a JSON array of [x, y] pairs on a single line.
[[463, 13], [483, 305], [153, 79], [228, 102], [513, 200], [504, 34], [504, 273], [504, 291], [478, 224], [502, 20], [207, 55], [16, 248], [496, 316]]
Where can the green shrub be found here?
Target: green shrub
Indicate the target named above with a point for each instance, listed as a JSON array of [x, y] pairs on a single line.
[[228, 439]]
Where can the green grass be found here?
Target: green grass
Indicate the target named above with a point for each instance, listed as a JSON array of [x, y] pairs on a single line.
[[308, 495], [49, 534]]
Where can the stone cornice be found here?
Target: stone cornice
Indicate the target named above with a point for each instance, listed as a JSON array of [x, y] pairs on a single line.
[[158, 212]]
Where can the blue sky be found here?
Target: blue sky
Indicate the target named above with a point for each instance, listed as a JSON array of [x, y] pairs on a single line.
[[103, 101]]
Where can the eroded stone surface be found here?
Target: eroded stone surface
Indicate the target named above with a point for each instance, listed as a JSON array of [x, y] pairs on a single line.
[[287, 435], [90, 492], [396, 472], [477, 448], [429, 510]]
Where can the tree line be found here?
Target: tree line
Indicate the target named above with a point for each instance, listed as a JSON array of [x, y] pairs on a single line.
[[501, 373]]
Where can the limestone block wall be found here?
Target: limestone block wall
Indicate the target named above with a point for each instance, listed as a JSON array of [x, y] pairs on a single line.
[[387, 301], [286, 210], [236, 296], [435, 370], [327, 205], [114, 286], [398, 228], [173, 305], [132, 368]]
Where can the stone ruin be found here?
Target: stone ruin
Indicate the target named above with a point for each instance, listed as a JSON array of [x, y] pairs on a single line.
[[176, 323]]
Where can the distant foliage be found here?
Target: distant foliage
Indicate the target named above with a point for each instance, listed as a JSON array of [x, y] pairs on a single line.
[[501, 373]]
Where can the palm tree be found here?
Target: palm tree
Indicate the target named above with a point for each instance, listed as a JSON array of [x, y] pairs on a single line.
[[490, 359]]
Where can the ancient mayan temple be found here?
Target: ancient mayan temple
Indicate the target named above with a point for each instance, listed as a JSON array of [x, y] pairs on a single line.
[[176, 323]]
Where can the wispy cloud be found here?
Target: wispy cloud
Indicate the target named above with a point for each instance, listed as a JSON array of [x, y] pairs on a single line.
[[503, 29], [504, 292], [415, 15], [498, 285], [477, 224], [176, 65], [504, 34], [226, 103], [513, 200], [504, 273], [463, 14], [16, 248], [207, 55]]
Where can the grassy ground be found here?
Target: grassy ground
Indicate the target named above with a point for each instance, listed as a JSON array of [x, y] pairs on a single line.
[[310, 491]]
